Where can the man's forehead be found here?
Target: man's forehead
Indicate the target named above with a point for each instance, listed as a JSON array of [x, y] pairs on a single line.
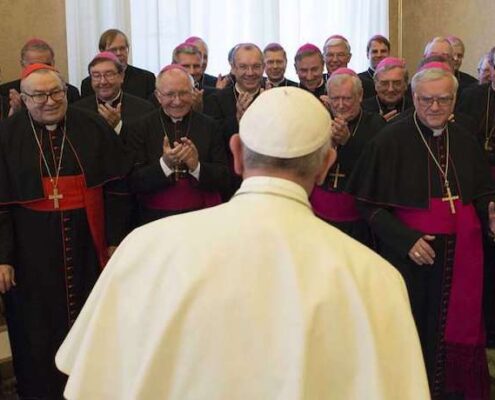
[[189, 58], [274, 54], [42, 81], [440, 86], [247, 54], [104, 66], [32, 55], [310, 60], [393, 72], [337, 48], [174, 78], [378, 45], [117, 40]]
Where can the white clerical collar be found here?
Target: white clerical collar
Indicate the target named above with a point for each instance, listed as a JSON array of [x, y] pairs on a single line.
[[51, 127], [274, 186], [110, 102], [276, 83], [437, 132], [174, 120]]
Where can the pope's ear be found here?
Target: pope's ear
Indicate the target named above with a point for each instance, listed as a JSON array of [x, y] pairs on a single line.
[[235, 145]]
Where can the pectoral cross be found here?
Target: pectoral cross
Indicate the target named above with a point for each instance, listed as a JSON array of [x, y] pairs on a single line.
[[55, 197], [450, 198], [336, 176]]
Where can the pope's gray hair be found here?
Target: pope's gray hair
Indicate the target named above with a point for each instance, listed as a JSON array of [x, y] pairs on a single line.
[[302, 167]]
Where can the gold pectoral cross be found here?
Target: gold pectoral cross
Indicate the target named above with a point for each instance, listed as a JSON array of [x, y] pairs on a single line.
[[336, 175], [450, 198], [55, 197]]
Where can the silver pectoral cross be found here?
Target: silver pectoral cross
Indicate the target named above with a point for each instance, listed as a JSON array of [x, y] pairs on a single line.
[[336, 176]]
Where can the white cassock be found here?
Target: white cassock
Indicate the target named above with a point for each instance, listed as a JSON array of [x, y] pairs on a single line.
[[256, 299]]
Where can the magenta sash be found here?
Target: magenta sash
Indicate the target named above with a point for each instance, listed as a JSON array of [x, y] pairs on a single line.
[[184, 195], [334, 206], [464, 333]]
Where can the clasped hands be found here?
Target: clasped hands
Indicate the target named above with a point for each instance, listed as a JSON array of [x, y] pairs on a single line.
[[183, 152]]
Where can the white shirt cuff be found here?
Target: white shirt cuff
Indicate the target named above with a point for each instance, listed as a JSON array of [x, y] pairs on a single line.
[[195, 173], [166, 170]]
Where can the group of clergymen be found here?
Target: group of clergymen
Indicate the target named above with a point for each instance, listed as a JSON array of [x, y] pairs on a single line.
[[412, 180]]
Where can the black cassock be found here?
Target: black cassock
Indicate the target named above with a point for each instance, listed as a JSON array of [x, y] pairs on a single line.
[[52, 252], [145, 139], [395, 174], [338, 175], [368, 83]]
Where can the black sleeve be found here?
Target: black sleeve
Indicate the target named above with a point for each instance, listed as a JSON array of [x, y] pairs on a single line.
[[388, 228], [119, 208], [86, 89], [6, 237], [228, 123], [147, 175], [214, 173]]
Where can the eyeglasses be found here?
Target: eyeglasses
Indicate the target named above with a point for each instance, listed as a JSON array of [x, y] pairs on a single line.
[[172, 95], [41, 98], [395, 84], [344, 99], [427, 101], [120, 49], [336, 55], [108, 75], [246, 67]]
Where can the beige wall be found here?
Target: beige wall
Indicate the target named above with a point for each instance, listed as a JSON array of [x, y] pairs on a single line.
[[25, 19], [421, 20]]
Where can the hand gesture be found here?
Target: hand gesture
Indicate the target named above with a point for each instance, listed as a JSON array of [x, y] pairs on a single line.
[[243, 102], [222, 81], [422, 253], [340, 131], [392, 114], [191, 157], [111, 114], [15, 101], [325, 100], [7, 278], [197, 104]]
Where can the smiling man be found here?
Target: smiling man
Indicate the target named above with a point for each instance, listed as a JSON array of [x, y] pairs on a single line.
[[180, 159], [138, 82], [228, 105], [390, 79], [309, 65], [377, 49], [110, 101], [275, 66], [426, 191], [55, 162]]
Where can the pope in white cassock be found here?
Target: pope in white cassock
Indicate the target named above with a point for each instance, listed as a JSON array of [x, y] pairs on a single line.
[[254, 299]]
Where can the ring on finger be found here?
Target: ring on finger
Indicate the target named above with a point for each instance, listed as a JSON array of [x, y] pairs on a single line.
[[416, 254]]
